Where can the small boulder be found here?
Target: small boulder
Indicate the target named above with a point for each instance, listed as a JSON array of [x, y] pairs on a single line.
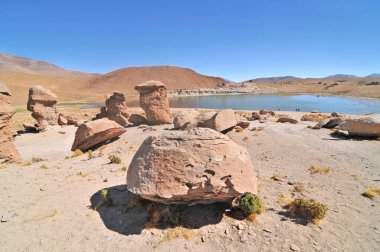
[[329, 123], [62, 120], [185, 120], [102, 113], [243, 124], [195, 166], [222, 121], [335, 114], [362, 127], [95, 132], [137, 119], [154, 101], [287, 120], [265, 112], [255, 116]]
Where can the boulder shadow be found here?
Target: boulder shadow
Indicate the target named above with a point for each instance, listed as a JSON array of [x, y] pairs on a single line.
[[129, 216]]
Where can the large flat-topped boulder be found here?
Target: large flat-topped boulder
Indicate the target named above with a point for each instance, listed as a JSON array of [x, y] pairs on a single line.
[[221, 121], [7, 149], [363, 127], [96, 132], [195, 166], [42, 103], [154, 101]]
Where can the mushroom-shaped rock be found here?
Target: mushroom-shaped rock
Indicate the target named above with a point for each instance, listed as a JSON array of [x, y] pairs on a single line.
[[363, 127], [116, 109], [154, 101], [195, 166], [96, 132], [42, 103], [7, 149]]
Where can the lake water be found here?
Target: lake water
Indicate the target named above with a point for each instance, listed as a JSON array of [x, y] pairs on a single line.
[[280, 102]]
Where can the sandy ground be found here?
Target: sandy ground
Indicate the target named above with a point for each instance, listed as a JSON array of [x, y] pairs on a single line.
[[48, 203]]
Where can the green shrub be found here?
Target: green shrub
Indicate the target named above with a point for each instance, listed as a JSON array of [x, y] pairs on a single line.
[[250, 203]]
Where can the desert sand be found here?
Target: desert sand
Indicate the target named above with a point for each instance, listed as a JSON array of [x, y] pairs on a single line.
[[47, 204]]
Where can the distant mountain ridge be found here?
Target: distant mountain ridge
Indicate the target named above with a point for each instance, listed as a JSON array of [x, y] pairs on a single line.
[[273, 79], [11, 63], [374, 75], [341, 76]]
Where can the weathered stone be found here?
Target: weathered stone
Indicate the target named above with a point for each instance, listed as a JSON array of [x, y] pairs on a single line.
[[8, 151], [222, 121], [42, 103], [116, 109], [265, 112], [30, 127], [62, 120], [195, 166], [363, 127], [102, 113], [185, 120], [96, 132], [154, 101], [287, 120], [243, 124], [255, 116], [137, 119], [329, 123]]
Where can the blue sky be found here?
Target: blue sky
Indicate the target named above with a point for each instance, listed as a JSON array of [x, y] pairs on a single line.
[[236, 39]]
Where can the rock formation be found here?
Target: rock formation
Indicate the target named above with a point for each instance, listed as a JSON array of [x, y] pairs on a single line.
[[115, 109], [8, 151], [287, 120], [221, 121], [137, 119], [363, 127], [95, 132], [186, 119], [42, 103], [195, 166], [154, 101]]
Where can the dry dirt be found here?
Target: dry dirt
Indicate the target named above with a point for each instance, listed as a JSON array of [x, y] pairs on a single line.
[[48, 203]]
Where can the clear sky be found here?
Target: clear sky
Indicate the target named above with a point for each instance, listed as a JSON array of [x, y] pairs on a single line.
[[235, 39]]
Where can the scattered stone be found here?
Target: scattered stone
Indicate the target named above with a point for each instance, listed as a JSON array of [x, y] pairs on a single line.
[[328, 123], [95, 132], [8, 216], [102, 113], [62, 120], [137, 119], [203, 238], [287, 120], [294, 247], [314, 111], [240, 226], [362, 127], [195, 166], [243, 124], [335, 114], [105, 180], [42, 103], [314, 117], [222, 121], [154, 101], [186, 120], [7, 149], [255, 116], [30, 127], [244, 238], [265, 112], [267, 230]]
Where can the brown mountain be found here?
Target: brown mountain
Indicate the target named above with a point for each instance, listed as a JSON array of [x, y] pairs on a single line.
[[10, 63], [126, 79]]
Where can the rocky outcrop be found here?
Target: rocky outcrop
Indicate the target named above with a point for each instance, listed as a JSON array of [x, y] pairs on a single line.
[[42, 103], [266, 112], [255, 116], [362, 127], [328, 123], [116, 109], [186, 119], [222, 121], [195, 166], [154, 101], [96, 132], [8, 151]]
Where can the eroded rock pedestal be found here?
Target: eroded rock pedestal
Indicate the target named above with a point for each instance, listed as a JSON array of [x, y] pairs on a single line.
[[42, 103], [195, 166], [8, 151], [154, 101]]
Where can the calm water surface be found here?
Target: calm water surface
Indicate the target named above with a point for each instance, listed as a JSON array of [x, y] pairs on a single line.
[[280, 102]]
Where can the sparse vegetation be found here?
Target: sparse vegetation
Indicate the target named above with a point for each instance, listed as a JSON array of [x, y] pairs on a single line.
[[37, 159], [298, 188], [239, 129], [62, 132], [314, 117], [276, 177], [308, 209], [319, 170], [114, 159], [106, 199], [371, 193], [90, 154], [44, 167], [77, 153], [250, 203], [82, 174], [178, 232]]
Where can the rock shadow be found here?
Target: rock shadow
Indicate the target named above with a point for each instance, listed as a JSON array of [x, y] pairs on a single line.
[[129, 216]]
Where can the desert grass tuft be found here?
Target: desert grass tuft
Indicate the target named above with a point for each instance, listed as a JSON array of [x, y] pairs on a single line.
[[178, 232], [106, 199], [90, 154], [298, 188], [114, 159], [276, 177], [44, 167], [77, 153], [37, 159], [371, 193], [82, 174], [309, 209], [319, 170]]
